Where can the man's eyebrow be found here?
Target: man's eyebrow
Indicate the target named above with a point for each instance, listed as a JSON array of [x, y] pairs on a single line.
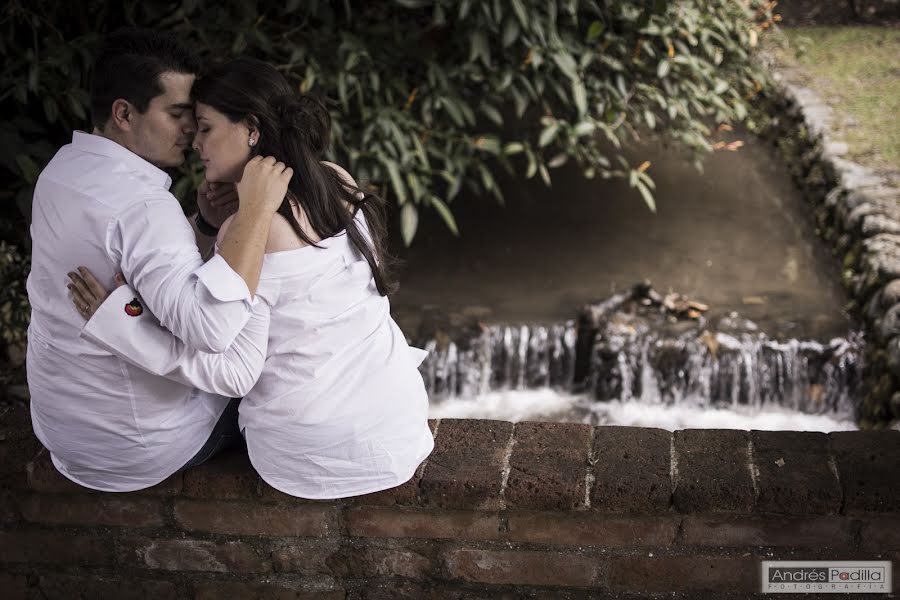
[[181, 106]]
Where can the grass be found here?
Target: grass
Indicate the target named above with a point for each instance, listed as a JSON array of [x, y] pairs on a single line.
[[856, 69]]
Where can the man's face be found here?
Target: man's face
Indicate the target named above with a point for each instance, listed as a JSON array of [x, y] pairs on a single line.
[[163, 133]]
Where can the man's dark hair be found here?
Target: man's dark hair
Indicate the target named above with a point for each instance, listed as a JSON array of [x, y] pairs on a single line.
[[129, 66]]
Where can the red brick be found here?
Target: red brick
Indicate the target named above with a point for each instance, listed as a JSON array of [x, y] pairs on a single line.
[[421, 523], [54, 548], [713, 471], [880, 534], [234, 590], [631, 470], [15, 587], [43, 477], [868, 463], [307, 557], [548, 466], [794, 476], [191, 555], [693, 574], [355, 560], [754, 530], [242, 518], [8, 512], [591, 529], [92, 509], [524, 567], [228, 476], [65, 587], [464, 470], [405, 494]]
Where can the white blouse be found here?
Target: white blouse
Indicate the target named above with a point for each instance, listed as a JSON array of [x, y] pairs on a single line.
[[339, 408]]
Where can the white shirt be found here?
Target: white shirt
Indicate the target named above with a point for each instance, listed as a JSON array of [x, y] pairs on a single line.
[[108, 425], [339, 408]]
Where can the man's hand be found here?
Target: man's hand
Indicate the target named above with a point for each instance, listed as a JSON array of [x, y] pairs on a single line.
[[217, 201], [88, 293], [263, 185]]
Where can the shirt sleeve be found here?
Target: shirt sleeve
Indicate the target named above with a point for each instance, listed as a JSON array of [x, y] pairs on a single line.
[[123, 327], [204, 305]]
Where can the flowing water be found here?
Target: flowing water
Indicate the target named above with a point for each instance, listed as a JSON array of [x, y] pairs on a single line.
[[501, 308]]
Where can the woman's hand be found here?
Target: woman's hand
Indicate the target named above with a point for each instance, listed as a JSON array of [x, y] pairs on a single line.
[[263, 185], [88, 293]]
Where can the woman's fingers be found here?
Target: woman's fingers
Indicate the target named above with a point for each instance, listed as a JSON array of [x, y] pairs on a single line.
[[81, 286], [98, 290]]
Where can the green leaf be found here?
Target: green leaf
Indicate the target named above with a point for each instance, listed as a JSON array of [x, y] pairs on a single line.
[[650, 119], [545, 174], [409, 222], [510, 32], [445, 213], [647, 195], [594, 31], [479, 48], [548, 134], [521, 14], [30, 170], [584, 128], [492, 113], [513, 148], [396, 181], [663, 68], [580, 94], [566, 64]]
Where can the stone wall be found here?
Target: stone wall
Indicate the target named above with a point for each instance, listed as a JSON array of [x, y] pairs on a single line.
[[857, 213], [499, 510]]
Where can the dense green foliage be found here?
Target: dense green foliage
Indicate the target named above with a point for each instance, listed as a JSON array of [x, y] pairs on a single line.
[[429, 95]]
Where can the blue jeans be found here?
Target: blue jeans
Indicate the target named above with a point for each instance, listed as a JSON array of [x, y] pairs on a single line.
[[224, 435]]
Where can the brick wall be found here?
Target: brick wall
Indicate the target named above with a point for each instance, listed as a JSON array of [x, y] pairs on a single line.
[[499, 510]]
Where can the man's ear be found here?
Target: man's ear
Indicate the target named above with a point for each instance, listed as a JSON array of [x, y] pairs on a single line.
[[121, 114]]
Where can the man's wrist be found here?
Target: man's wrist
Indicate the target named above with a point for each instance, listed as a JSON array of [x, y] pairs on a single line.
[[204, 226]]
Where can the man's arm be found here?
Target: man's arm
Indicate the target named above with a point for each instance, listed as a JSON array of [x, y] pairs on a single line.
[[143, 342], [204, 305]]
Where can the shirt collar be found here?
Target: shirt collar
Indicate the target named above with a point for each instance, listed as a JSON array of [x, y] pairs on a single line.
[[97, 144]]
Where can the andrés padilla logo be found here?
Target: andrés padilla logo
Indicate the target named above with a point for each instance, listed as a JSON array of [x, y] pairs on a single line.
[[826, 577]]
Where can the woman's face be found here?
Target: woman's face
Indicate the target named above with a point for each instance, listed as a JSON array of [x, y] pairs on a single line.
[[223, 146]]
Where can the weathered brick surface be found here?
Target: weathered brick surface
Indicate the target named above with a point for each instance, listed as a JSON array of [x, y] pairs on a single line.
[[225, 477], [234, 590], [9, 514], [376, 521], [631, 469], [693, 574], [17, 446], [868, 467], [92, 509], [253, 518], [464, 470], [591, 528], [524, 567], [191, 555], [712, 471], [14, 587], [42, 476], [754, 530], [354, 559], [548, 465], [880, 534], [67, 587], [794, 476], [51, 547]]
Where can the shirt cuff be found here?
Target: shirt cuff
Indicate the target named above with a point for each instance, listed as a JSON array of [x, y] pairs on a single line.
[[222, 282]]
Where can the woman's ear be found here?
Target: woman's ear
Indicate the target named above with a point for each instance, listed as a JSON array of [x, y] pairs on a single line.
[[252, 124]]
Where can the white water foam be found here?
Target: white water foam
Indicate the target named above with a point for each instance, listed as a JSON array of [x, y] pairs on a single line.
[[550, 405]]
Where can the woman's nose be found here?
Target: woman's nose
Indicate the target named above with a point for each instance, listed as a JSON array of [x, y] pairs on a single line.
[[196, 143]]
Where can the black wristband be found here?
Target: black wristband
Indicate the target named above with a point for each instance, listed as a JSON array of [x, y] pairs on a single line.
[[204, 227]]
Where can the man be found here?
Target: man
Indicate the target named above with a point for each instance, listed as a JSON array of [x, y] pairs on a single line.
[[103, 202]]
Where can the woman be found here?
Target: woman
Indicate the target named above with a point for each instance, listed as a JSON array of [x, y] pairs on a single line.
[[339, 408]]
